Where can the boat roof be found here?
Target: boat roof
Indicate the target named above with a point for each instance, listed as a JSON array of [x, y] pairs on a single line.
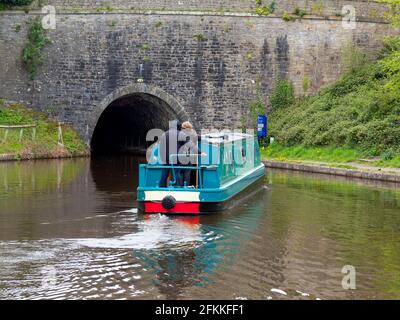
[[218, 138]]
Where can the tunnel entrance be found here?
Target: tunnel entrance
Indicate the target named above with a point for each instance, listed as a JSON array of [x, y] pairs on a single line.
[[123, 125]]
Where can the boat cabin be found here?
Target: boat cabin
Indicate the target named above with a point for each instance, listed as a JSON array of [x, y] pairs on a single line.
[[226, 164]]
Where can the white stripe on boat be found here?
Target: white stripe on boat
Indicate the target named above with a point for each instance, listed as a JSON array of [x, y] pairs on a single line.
[[187, 196]]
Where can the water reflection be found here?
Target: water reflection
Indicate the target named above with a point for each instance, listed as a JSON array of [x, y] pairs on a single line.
[[288, 240]]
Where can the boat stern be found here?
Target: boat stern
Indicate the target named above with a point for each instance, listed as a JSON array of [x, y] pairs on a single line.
[[169, 201]]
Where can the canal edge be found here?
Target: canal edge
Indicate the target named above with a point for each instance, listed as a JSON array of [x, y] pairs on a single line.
[[25, 157], [353, 173]]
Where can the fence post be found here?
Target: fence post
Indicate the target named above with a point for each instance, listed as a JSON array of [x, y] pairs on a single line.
[[21, 132], [5, 136], [21, 128], [60, 135]]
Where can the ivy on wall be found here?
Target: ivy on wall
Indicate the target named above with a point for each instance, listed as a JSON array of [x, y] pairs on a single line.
[[36, 41]]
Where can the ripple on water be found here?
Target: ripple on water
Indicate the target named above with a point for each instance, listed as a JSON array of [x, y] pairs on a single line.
[[288, 242], [156, 233]]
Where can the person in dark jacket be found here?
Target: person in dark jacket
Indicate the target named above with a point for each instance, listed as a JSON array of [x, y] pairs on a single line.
[[170, 143], [189, 152]]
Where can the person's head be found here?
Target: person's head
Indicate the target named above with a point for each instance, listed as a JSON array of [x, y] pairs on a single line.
[[187, 125]]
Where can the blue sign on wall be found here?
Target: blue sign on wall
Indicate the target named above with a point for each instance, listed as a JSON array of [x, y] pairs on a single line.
[[262, 126]]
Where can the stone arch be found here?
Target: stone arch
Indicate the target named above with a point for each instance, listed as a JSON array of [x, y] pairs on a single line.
[[140, 102]]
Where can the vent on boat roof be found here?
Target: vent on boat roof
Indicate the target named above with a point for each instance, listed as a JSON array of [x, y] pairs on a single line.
[[217, 136]]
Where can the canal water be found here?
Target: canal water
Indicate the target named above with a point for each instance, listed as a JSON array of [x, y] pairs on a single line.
[[69, 230]]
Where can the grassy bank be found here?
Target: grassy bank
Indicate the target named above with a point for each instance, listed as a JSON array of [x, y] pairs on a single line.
[[43, 143], [358, 117], [329, 154]]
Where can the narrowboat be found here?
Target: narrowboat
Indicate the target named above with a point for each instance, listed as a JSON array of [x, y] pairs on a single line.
[[228, 166]]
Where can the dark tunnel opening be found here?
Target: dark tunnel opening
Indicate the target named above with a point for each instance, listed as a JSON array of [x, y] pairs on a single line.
[[123, 125]]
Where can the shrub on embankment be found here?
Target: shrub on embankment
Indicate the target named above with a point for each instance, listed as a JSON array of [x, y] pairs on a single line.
[[361, 111], [45, 143], [14, 3]]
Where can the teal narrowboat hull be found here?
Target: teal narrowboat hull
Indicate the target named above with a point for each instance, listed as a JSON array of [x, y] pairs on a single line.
[[198, 201]]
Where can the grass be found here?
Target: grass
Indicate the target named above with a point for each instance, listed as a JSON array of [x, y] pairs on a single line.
[[336, 156], [45, 143], [393, 163], [323, 154]]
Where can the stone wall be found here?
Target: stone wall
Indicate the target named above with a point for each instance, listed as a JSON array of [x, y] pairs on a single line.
[[365, 9], [210, 65]]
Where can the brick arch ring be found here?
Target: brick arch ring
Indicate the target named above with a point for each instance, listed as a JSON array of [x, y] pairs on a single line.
[[138, 88]]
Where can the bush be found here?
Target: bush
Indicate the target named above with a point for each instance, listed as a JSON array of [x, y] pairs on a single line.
[[283, 94], [15, 2], [361, 111], [390, 65]]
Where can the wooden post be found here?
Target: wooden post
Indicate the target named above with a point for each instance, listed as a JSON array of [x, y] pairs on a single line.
[[5, 136], [21, 132], [60, 135]]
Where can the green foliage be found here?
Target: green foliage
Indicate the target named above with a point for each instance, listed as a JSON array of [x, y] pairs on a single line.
[[6, 4], [360, 111], [333, 156], [257, 108], [282, 95], [46, 140], [16, 2], [390, 64], [389, 154], [328, 154], [299, 12], [146, 47], [32, 54], [287, 17], [306, 84], [199, 36], [318, 8], [353, 58], [394, 13], [265, 10]]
